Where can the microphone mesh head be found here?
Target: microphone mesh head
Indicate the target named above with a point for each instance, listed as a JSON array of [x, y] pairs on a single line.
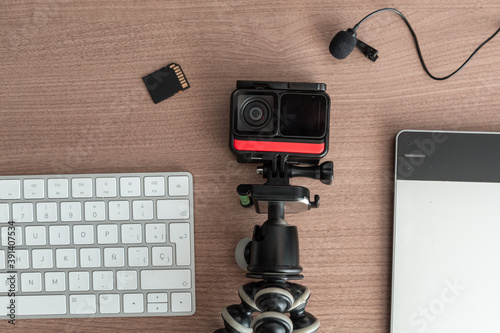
[[342, 44]]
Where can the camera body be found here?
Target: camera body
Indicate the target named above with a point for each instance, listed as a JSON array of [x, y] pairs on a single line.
[[288, 119]]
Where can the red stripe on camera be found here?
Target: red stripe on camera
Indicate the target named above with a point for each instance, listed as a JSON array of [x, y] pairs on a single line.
[[276, 146]]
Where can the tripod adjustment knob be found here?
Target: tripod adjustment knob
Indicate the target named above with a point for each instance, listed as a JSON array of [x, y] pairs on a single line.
[[326, 172], [242, 253], [323, 172]]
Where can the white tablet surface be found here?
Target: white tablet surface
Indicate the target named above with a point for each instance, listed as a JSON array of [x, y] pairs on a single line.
[[446, 259]]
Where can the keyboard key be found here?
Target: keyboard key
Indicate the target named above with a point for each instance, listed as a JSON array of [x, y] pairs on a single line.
[[78, 281], [71, 211], [102, 280], [34, 189], [2, 259], [181, 302], [55, 281], [8, 281], [105, 187], [22, 212], [114, 257], [107, 234], [82, 304], [166, 279], [178, 186], [126, 280], [142, 210], [156, 233], [59, 235], [31, 282], [66, 258], [154, 186], [172, 209], [57, 188], [46, 212], [130, 186], [157, 307], [10, 189], [109, 303], [90, 258], [42, 258], [119, 210], [181, 236], [83, 234], [81, 187], [157, 298], [4, 213], [133, 303], [138, 256], [35, 305], [131, 233], [35, 235], [162, 256], [12, 237], [22, 260], [95, 211]]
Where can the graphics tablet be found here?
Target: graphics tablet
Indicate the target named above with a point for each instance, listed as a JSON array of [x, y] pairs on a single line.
[[446, 259]]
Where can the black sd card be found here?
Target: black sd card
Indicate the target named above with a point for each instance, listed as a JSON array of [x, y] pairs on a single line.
[[165, 82]]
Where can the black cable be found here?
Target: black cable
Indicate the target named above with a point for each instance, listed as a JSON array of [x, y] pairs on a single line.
[[418, 47]]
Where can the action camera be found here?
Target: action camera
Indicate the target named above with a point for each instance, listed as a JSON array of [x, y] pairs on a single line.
[[288, 119]]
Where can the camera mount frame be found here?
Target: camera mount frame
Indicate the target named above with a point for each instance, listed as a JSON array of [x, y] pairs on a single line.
[[272, 255]]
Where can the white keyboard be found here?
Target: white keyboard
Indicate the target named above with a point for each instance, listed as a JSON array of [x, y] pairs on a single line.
[[97, 245]]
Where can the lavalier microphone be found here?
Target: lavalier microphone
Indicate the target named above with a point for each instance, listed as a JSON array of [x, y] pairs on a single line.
[[344, 42]]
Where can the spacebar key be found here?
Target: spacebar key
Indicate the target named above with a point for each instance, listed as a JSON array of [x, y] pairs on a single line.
[[166, 279], [35, 305]]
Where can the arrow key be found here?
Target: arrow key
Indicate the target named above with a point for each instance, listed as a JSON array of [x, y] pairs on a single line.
[[133, 303], [181, 302], [157, 307]]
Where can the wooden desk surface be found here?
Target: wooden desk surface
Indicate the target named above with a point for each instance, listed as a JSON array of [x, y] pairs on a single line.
[[72, 101]]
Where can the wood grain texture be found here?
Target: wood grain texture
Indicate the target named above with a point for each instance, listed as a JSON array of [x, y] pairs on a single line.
[[72, 101]]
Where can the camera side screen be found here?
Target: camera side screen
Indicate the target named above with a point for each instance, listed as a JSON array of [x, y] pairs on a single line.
[[303, 115]]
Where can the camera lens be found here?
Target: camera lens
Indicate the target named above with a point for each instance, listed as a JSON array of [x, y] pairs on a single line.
[[256, 113]]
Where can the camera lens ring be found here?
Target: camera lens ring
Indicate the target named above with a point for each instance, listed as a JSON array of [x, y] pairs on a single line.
[[256, 113]]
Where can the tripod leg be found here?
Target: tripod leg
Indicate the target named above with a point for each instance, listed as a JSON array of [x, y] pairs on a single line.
[[301, 319], [273, 299], [238, 317], [275, 322]]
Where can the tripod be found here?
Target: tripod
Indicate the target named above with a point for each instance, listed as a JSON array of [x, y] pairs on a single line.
[[272, 255]]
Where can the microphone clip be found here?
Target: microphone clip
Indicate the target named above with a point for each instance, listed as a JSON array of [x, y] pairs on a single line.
[[367, 50]]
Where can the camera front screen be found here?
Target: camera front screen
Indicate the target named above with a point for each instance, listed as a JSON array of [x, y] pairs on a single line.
[[303, 115]]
